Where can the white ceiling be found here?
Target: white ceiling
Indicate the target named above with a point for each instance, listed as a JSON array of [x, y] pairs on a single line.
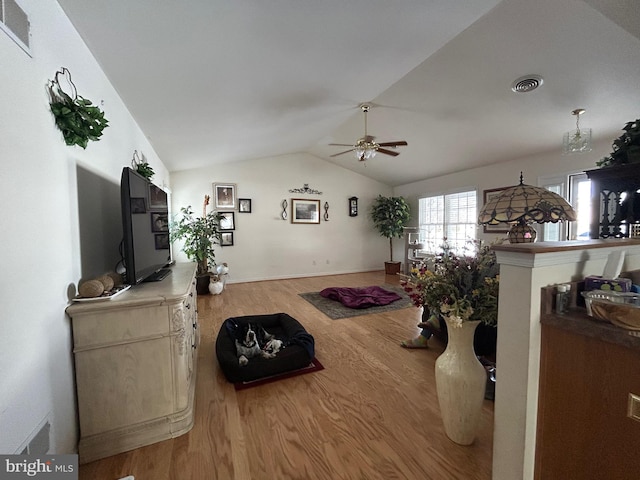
[[216, 81]]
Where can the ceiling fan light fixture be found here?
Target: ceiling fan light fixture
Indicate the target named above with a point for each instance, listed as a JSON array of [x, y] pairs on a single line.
[[366, 147], [365, 150]]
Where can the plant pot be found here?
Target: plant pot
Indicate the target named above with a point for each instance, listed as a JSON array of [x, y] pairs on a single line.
[[392, 268], [461, 382], [202, 284]]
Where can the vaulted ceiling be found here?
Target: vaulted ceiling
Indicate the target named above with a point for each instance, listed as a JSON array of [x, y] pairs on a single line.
[[216, 81]]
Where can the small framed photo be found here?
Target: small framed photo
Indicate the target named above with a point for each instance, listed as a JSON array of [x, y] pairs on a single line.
[[228, 221], [138, 205], [157, 197], [244, 205], [501, 227], [305, 211], [226, 239], [224, 195], [159, 222], [162, 241]]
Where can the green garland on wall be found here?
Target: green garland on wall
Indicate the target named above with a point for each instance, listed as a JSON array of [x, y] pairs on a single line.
[[76, 117]]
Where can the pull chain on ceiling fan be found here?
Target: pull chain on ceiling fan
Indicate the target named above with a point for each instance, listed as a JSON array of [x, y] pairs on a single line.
[[366, 148]]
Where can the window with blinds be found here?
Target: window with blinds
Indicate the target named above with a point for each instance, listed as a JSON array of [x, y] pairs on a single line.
[[453, 216]]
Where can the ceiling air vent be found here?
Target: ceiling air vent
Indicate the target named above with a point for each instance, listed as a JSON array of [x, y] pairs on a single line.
[[15, 23], [528, 83]]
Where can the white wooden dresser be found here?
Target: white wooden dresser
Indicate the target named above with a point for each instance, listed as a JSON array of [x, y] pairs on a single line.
[[135, 365]]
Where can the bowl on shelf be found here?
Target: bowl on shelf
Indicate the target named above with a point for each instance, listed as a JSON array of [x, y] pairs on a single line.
[[621, 309]]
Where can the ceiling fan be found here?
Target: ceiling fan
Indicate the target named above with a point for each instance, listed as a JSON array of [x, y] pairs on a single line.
[[366, 148]]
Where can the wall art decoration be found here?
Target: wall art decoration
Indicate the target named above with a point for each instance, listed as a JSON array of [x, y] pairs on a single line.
[[224, 195], [138, 205], [501, 227], [284, 209], [353, 206], [226, 239], [326, 212], [162, 241], [305, 189], [305, 211], [159, 222], [139, 164], [227, 221], [76, 117], [244, 205], [157, 198]]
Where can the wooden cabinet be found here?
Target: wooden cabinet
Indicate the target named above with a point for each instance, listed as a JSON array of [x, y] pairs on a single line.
[[588, 369], [135, 365], [615, 201]]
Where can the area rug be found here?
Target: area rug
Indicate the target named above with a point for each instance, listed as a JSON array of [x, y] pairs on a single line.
[[314, 366], [335, 310]]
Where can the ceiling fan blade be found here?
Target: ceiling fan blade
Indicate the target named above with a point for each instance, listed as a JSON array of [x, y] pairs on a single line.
[[342, 144], [346, 151], [393, 144], [388, 152]]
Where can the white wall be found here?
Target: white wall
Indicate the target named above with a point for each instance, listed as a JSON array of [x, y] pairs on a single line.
[[268, 247], [40, 226]]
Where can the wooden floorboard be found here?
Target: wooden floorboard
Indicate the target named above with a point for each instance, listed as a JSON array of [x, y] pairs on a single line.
[[372, 413]]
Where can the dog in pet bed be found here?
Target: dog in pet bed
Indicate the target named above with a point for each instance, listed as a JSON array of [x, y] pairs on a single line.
[[256, 341]]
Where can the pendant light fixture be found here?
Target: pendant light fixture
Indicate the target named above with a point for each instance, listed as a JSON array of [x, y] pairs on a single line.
[[579, 140]]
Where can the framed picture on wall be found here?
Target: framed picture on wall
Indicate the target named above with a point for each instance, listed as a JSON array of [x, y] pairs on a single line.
[[159, 222], [244, 205], [162, 241], [501, 227], [224, 195], [228, 221], [157, 198], [138, 205], [305, 211], [226, 239]]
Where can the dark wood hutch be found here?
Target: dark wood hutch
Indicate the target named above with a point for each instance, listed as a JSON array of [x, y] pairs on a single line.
[[615, 201]]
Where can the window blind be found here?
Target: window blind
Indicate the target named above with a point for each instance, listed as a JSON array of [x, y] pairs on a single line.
[[453, 216]]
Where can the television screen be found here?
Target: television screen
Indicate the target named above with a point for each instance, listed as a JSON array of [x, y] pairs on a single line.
[[145, 226]]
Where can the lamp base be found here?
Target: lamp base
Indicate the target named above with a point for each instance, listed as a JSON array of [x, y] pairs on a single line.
[[522, 233]]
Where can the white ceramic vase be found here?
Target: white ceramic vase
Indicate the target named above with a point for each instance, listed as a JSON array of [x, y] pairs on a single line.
[[461, 382]]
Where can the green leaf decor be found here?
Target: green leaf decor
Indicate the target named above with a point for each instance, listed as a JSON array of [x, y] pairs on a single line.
[[76, 117]]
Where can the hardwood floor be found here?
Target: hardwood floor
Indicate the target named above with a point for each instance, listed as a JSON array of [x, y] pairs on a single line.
[[371, 414]]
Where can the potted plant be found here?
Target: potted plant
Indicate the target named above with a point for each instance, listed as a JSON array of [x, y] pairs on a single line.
[[390, 215], [200, 235], [141, 165], [626, 148], [76, 117]]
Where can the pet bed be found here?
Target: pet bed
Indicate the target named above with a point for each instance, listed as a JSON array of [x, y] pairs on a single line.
[[297, 353], [364, 297]]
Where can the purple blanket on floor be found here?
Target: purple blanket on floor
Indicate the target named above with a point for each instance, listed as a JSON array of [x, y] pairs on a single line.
[[363, 297]]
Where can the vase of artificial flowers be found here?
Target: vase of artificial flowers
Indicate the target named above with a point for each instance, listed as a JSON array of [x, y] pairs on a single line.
[[463, 290]]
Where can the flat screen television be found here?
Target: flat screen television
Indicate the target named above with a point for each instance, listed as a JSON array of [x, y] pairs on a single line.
[[145, 228]]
